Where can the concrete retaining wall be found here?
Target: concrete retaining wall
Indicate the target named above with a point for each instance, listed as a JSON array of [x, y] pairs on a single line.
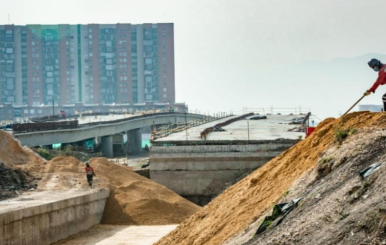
[[197, 183], [271, 146], [47, 223], [205, 171]]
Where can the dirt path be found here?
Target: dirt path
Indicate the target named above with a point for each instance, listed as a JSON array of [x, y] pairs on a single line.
[[119, 235]]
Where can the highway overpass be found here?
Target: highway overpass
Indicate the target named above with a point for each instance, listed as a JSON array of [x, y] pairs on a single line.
[[105, 130]]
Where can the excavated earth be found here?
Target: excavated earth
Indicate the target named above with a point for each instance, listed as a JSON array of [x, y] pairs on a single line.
[[337, 207], [133, 200], [14, 181]]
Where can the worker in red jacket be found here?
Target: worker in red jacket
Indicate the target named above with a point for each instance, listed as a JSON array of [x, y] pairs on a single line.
[[90, 174], [377, 66]]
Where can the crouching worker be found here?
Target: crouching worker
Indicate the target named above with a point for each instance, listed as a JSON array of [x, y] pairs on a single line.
[[90, 174]]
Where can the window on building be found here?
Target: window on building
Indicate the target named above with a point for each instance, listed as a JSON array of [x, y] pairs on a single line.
[[148, 79], [10, 83]]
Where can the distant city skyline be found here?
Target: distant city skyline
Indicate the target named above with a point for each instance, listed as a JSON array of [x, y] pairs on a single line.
[[89, 64], [232, 54]]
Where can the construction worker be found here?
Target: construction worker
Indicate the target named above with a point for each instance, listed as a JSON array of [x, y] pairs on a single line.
[[89, 173], [377, 66]]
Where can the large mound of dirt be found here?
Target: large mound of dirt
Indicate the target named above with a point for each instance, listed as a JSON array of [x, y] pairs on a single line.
[[243, 203], [11, 153], [137, 200], [133, 200], [338, 206]]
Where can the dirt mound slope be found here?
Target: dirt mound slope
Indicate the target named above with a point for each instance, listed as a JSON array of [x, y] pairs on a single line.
[[137, 200], [133, 200], [11, 152], [243, 203], [12, 182], [338, 206]]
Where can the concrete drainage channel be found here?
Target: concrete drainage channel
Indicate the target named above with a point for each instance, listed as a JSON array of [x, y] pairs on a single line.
[[47, 217], [68, 218]]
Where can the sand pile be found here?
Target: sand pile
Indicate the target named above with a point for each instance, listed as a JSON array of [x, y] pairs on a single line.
[[11, 153], [137, 200], [339, 207], [134, 200], [244, 202]]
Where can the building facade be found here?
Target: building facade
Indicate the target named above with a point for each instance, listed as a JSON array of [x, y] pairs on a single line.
[[99, 64], [372, 108]]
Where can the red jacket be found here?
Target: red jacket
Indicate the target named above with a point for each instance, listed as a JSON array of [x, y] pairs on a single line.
[[90, 171], [381, 80]]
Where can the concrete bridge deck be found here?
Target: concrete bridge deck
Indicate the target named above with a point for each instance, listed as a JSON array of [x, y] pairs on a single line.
[[272, 128], [100, 129]]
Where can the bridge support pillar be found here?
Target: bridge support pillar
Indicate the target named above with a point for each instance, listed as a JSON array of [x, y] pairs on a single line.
[[134, 141], [107, 146]]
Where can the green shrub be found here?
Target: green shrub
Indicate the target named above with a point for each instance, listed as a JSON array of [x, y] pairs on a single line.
[[286, 193], [67, 150], [341, 134], [326, 159], [44, 153]]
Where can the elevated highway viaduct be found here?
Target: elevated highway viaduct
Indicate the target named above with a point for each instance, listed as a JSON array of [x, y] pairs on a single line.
[[106, 130]]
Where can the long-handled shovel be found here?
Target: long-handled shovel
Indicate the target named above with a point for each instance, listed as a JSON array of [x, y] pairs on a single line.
[[353, 105]]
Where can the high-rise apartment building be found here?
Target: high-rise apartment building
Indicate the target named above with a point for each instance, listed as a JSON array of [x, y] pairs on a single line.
[[89, 64]]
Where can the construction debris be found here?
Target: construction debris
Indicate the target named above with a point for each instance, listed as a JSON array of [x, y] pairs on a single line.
[[13, 182], [370, 170], [280, 211]]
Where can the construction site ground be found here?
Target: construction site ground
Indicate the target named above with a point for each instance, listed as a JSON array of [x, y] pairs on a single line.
[[337, 206], [133, 201], [119, 235]]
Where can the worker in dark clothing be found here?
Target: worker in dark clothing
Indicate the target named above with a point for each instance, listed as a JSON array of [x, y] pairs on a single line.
[[90, 174], [377, 66]]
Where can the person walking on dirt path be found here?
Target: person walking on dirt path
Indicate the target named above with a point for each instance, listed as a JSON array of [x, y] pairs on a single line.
[[377, 66], [90, 174]]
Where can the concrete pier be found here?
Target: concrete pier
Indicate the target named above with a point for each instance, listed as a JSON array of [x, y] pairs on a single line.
[[47, 217], [203, 171], [107, 146], [134, 141]]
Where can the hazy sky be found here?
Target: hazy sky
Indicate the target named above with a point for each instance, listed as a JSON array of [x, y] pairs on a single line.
[[224, 49]]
